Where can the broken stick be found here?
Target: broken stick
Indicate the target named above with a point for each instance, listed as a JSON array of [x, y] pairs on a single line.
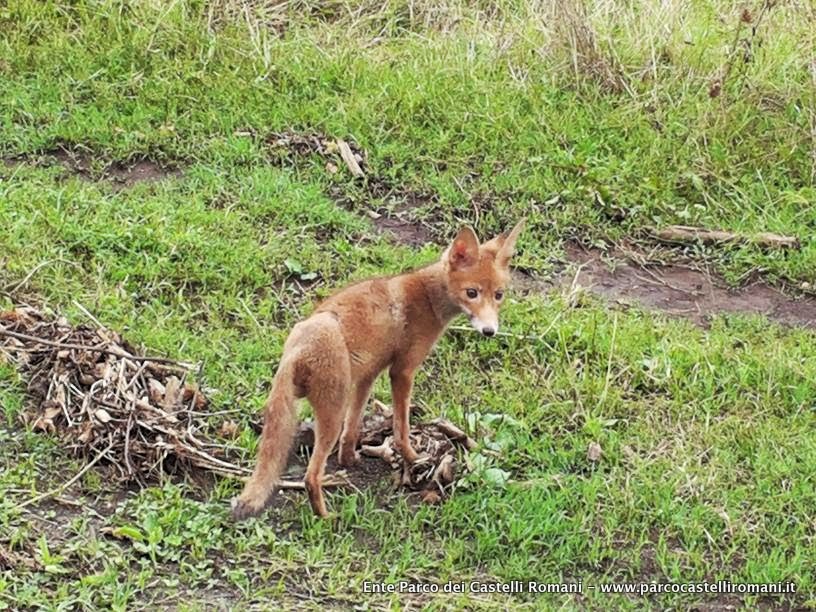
[[685, 234], [300, 485], [454, 433], [348, 157]]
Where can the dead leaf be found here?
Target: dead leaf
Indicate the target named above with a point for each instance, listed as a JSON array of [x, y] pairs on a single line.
[[430, 497], [87, 433], [45, 422], [454, 433], [156, 391], [444, 471], [103, 370], [9, 315], [228, 429], [172, 392], [191, 393], [103, 416], [594, 452]]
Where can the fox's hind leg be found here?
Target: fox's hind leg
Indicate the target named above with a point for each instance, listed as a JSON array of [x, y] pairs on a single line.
[[348, 454], [329, 395]]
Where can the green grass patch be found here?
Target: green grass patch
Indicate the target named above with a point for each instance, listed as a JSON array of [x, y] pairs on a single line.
[[494, 112]]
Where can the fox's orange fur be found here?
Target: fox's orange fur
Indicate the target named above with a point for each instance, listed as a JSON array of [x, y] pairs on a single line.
[[333, 357]]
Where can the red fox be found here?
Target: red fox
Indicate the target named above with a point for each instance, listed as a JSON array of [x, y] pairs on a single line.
[[333, 357]]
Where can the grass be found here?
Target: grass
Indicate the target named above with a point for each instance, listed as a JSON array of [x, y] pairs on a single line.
[[595, 121]]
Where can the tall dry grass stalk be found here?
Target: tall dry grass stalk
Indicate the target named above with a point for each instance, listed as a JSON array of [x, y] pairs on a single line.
[[574, 35]]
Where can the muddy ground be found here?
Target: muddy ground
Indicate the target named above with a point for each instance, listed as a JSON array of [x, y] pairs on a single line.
[[623, 274], [121, 174], [682, 290]]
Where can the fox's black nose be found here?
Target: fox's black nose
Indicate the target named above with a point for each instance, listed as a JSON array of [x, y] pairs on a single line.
[[488, 331]]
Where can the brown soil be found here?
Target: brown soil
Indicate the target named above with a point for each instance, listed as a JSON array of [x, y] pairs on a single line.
[[120, 174], [141, 171], [682, 291], [676, 289], [403, 230], [370, 473], [396, 219]]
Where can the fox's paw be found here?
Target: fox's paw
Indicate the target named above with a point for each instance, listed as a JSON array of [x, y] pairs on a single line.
[[243, 509], [349, 459], [409, 454]]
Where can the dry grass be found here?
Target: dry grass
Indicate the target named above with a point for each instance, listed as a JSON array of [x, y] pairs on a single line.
[[623, 47], [575, 36]]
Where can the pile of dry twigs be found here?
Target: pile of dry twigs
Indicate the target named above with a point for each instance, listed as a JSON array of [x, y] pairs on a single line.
[[107, 401], [437, 442]]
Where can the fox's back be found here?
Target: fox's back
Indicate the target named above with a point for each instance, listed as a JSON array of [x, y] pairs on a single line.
[[370, 316], [381, 318]]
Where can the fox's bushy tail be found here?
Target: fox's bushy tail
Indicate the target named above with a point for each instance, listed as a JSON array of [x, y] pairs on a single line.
[[280, 422]]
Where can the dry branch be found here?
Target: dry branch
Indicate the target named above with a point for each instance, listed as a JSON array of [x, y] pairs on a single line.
[[687, 234], [454, 433], [118, 352], [299, 485], [437, 442]]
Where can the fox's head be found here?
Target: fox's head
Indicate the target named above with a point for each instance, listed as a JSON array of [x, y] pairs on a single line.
[[478, 275]]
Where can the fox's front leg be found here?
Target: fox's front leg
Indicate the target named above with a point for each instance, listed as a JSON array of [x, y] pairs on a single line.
[[402, 381]]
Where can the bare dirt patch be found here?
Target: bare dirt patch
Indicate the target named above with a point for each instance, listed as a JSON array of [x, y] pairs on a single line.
[[83, 164], [397, 222], [682, 290], [141, 171]]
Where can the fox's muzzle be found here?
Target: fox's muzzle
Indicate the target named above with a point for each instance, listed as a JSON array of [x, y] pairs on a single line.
[[485, 328]]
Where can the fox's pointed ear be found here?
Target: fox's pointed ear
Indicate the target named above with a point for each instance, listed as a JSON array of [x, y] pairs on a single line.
[[494, 244], [508, 245], [464, 250]]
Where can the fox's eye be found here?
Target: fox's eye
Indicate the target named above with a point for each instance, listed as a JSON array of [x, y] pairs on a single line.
[[499, 296], [472, 294]]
